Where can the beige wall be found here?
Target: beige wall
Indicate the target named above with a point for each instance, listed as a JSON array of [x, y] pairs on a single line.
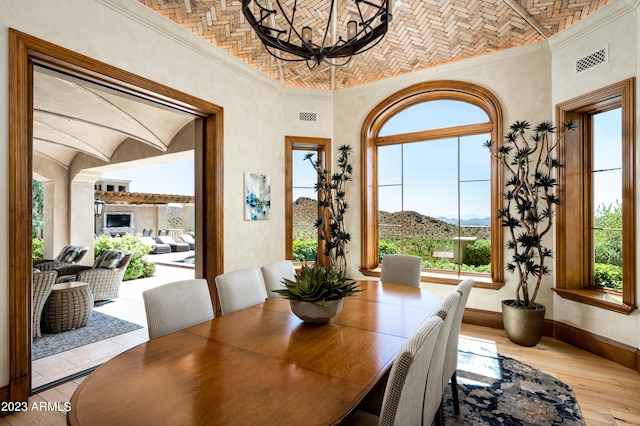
[[259, 112]]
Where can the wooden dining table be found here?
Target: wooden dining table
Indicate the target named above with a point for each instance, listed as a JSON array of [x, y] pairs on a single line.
[[257, 366]]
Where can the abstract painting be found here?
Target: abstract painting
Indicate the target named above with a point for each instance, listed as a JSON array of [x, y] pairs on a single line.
[[257, 201]]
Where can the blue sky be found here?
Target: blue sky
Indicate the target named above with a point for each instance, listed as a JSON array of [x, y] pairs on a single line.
[[432, 187], [175, 178]]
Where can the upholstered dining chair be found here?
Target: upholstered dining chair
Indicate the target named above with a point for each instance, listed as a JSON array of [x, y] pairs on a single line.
[[177, 305], [274, 273], [240, 289], [433, 399], [451, 355], [413, 371], [401, 268], [42, 285]]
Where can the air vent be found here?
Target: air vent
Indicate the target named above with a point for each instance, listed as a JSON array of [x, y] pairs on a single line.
[[308, 116], [596, 58]]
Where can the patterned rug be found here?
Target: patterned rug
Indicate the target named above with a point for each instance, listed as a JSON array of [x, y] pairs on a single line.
[[496, 390], [99, 327]]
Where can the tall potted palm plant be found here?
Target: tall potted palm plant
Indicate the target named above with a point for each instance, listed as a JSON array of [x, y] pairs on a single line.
[[530, 201], [332, 204]]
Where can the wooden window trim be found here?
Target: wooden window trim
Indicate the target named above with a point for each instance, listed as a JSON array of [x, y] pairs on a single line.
[[423, 92], [323, 147], [574, 266]]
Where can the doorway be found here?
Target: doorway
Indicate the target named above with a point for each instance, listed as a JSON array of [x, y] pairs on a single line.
[[26, 51]]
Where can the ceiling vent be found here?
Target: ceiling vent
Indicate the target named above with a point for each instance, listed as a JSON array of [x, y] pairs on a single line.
[[308, 116], [596, 58]]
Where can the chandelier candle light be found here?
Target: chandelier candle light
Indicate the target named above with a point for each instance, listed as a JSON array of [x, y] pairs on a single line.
[[291, 33]]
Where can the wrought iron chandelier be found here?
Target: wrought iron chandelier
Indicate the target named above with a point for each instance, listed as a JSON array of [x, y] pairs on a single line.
[[292, 34]]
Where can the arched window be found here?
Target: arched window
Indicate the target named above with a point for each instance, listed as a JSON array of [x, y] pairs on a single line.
[[430, 188]]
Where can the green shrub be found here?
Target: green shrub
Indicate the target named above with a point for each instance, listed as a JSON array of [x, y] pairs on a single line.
[[138, 264], [608, 252], [385, 248], [609, 276], [478, 253], [305, 250], [37, 248]]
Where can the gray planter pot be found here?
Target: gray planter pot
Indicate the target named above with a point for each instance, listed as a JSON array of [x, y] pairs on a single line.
[[316, 314], [524, 326]]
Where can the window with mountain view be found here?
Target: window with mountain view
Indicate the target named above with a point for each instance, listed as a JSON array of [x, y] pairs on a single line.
[[434, 195], [432, 187], [301, 197]]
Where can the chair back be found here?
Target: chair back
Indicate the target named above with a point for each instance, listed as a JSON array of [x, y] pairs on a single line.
[[163, 232], [451, 355], [147, 232], [181, 304], [435, 389], [401, 268], [274, 273], [240, 289], [41, 289], [72, 254], [411, 371]]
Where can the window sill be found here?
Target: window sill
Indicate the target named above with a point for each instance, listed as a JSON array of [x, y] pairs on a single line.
[[481, 280], [597, 298]]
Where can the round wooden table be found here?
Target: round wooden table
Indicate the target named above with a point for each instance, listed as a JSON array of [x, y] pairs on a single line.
[[68, 307], [257, 366]]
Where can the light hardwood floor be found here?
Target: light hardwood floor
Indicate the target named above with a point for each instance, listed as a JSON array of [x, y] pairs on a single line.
[[607, 393]]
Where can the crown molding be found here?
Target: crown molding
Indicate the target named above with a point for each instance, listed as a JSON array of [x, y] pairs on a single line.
[[144, 16], [591, 23]]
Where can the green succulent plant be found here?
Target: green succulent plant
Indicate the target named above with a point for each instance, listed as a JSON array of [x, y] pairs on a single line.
[[318, 285]]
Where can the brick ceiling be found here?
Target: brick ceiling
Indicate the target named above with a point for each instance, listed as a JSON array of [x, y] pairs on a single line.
[[423, 33]]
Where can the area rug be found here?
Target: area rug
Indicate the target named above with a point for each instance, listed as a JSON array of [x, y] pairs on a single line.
[[497, 390], [99, 327]]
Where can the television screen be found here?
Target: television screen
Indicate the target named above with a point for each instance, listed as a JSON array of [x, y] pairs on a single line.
[[118, 220]]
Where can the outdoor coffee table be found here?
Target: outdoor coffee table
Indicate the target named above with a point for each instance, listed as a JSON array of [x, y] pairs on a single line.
[[68, 307]]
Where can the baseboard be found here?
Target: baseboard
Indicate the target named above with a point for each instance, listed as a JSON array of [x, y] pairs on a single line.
[[494, 320], [606, 348], [4, 397], [619, 353]]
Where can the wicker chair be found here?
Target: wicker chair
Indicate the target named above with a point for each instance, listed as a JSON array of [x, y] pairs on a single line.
[[105, 276], [69, 255], [42, 284]]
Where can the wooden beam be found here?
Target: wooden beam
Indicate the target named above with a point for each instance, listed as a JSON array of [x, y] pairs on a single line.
[[524, 13]]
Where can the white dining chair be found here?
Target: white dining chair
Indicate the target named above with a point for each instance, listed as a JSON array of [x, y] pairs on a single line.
[[434, 391], [240, 289], [401, 268], [413, 371], [174, 306], [274, 273], [451, 356]]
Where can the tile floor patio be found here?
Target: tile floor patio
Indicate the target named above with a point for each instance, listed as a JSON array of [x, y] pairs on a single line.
[[130, 307]]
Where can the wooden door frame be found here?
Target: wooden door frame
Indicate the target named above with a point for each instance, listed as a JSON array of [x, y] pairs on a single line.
[[24, 52]]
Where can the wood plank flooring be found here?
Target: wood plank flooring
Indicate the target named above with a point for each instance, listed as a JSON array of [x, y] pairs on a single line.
[[607, 393]]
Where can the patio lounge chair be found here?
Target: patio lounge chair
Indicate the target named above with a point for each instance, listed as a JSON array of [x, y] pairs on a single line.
[[189, 240], [105, 276], [69, 255], [175, 246], [156, 248]]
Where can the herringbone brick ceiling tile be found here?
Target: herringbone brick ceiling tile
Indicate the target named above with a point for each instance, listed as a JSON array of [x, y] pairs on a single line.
[[422, 34]]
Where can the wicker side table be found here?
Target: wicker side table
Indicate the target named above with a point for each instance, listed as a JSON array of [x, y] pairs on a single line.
[[68, 307]]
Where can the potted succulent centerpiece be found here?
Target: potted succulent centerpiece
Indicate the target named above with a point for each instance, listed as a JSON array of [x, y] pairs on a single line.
[[317, 293], [530, 200]]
